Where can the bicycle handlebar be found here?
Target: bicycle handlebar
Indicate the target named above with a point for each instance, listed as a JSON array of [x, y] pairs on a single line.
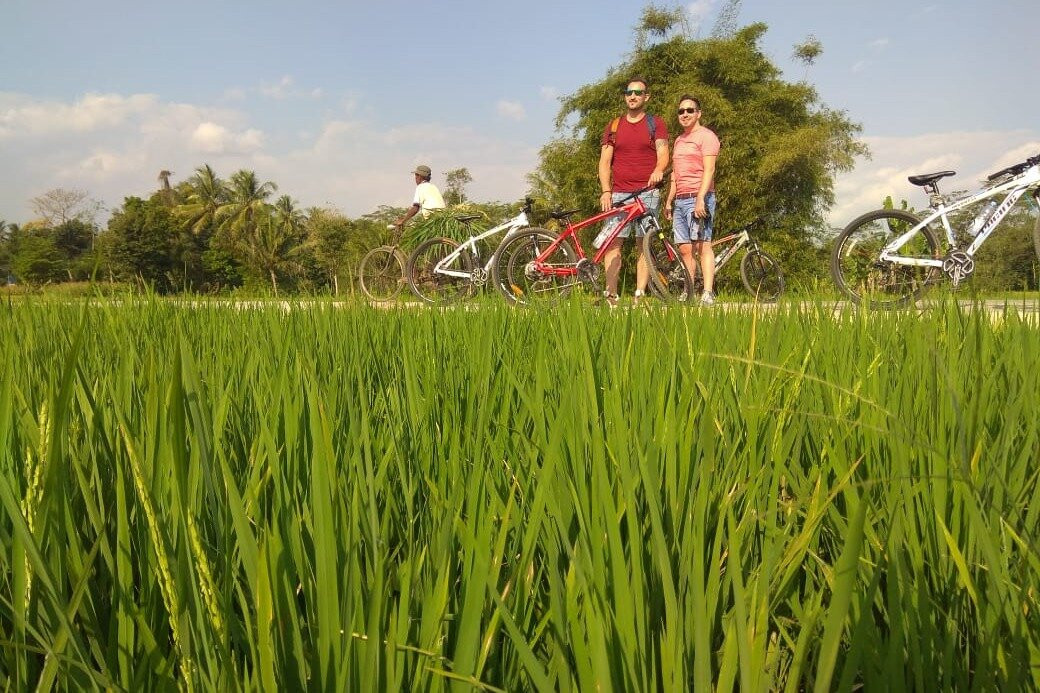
[[624, 201], [1016, 169]]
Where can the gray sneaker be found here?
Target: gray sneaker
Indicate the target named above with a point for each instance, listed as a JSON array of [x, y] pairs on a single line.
[[707, 299]]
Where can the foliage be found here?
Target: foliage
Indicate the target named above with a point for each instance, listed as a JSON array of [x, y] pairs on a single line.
[[273, 247], [658, 22], [36, 259], [441, 223], [352, 499], [243, 206], [140, 234], [455, 191], [808, 50], [781, 146]]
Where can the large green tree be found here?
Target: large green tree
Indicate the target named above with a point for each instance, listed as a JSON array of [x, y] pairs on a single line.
[[35, 259], [333, 241], [139, 240], [781, 146]]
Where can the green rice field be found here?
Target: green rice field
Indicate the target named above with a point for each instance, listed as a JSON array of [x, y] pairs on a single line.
[[349, 498]]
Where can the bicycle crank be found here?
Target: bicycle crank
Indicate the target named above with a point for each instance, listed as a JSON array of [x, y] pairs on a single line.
[[588, 271], [958, 266], [479, 276]]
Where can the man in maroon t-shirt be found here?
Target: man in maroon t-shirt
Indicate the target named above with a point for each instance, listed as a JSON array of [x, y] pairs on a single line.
[[630, 160]]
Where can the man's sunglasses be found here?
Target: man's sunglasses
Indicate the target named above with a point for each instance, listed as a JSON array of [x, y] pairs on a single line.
[[683, 111], [634, 92]]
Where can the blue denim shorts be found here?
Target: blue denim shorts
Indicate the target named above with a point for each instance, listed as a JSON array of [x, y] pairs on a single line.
[[652, 200], [687, 228]]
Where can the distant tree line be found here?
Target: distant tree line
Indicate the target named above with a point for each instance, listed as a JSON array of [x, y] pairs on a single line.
[[205, 234]]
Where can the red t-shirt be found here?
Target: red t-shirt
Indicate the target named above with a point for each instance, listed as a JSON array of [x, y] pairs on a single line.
[[635, 156]]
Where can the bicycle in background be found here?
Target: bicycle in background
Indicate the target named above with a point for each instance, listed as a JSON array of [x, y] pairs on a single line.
[[759, 272], [442, 270], [381, 272], [539, 267], [888, 257]]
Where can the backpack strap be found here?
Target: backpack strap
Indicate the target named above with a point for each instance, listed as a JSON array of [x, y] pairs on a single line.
[[651, 126]]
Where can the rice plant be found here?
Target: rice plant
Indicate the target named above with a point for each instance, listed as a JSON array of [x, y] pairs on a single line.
[[347, 498]]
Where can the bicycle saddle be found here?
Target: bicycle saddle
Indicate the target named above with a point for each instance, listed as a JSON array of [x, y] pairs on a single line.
[[929, 178], [562, 214], [467, 217]]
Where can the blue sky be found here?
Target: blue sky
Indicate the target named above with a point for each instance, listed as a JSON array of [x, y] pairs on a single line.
[[336, 102]]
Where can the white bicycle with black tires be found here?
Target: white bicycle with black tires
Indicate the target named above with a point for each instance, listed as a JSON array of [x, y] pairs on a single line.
[[888, 257], [442, 270]]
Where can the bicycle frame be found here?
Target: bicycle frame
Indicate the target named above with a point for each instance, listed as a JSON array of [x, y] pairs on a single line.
[[633, 210], [1015, 188], [739, 241], [510, 227]]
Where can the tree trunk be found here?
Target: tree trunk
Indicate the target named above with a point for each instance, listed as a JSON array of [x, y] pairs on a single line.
[[274, 282], [335, 284]]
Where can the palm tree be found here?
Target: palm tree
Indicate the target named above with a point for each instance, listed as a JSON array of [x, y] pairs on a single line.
[[245, 204], [271, 248], [287, 216], [166, 191], [206, 194]]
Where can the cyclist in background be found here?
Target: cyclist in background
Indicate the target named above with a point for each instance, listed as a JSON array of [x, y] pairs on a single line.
[[427, 196], [633, 155], [692, 193]]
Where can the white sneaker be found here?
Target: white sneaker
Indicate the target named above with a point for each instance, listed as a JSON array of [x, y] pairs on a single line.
[[707, 299]]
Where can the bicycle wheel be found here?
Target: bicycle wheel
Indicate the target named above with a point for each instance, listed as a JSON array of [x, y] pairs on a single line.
[[1036, 235], [669, 279], [762, 276], [516, 277], [381, 273], [438, 287], [861, 275]]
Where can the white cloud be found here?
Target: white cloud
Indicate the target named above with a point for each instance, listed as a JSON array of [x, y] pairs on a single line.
[[974, 155], [24, 117], [697, 12], [511, 109], [549, 93], [878, 44], [213, 138], [279, 90], [350, 160]]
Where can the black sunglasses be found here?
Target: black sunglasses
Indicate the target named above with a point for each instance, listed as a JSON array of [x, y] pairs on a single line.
[[636, 92], [688, 110]]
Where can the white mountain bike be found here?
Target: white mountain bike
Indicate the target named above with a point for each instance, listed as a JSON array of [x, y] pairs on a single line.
[[442, 270], [887, 257]]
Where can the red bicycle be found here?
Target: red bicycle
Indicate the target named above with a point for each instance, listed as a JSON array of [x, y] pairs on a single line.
[[539, 267]]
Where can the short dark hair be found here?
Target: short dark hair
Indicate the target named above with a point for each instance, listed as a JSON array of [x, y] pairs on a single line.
[[638, 78], [690, 97]]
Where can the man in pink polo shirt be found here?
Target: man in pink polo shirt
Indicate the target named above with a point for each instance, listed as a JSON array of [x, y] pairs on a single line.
[[691, 195]]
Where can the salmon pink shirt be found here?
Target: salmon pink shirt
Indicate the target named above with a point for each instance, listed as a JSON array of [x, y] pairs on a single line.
[[688, 159]]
